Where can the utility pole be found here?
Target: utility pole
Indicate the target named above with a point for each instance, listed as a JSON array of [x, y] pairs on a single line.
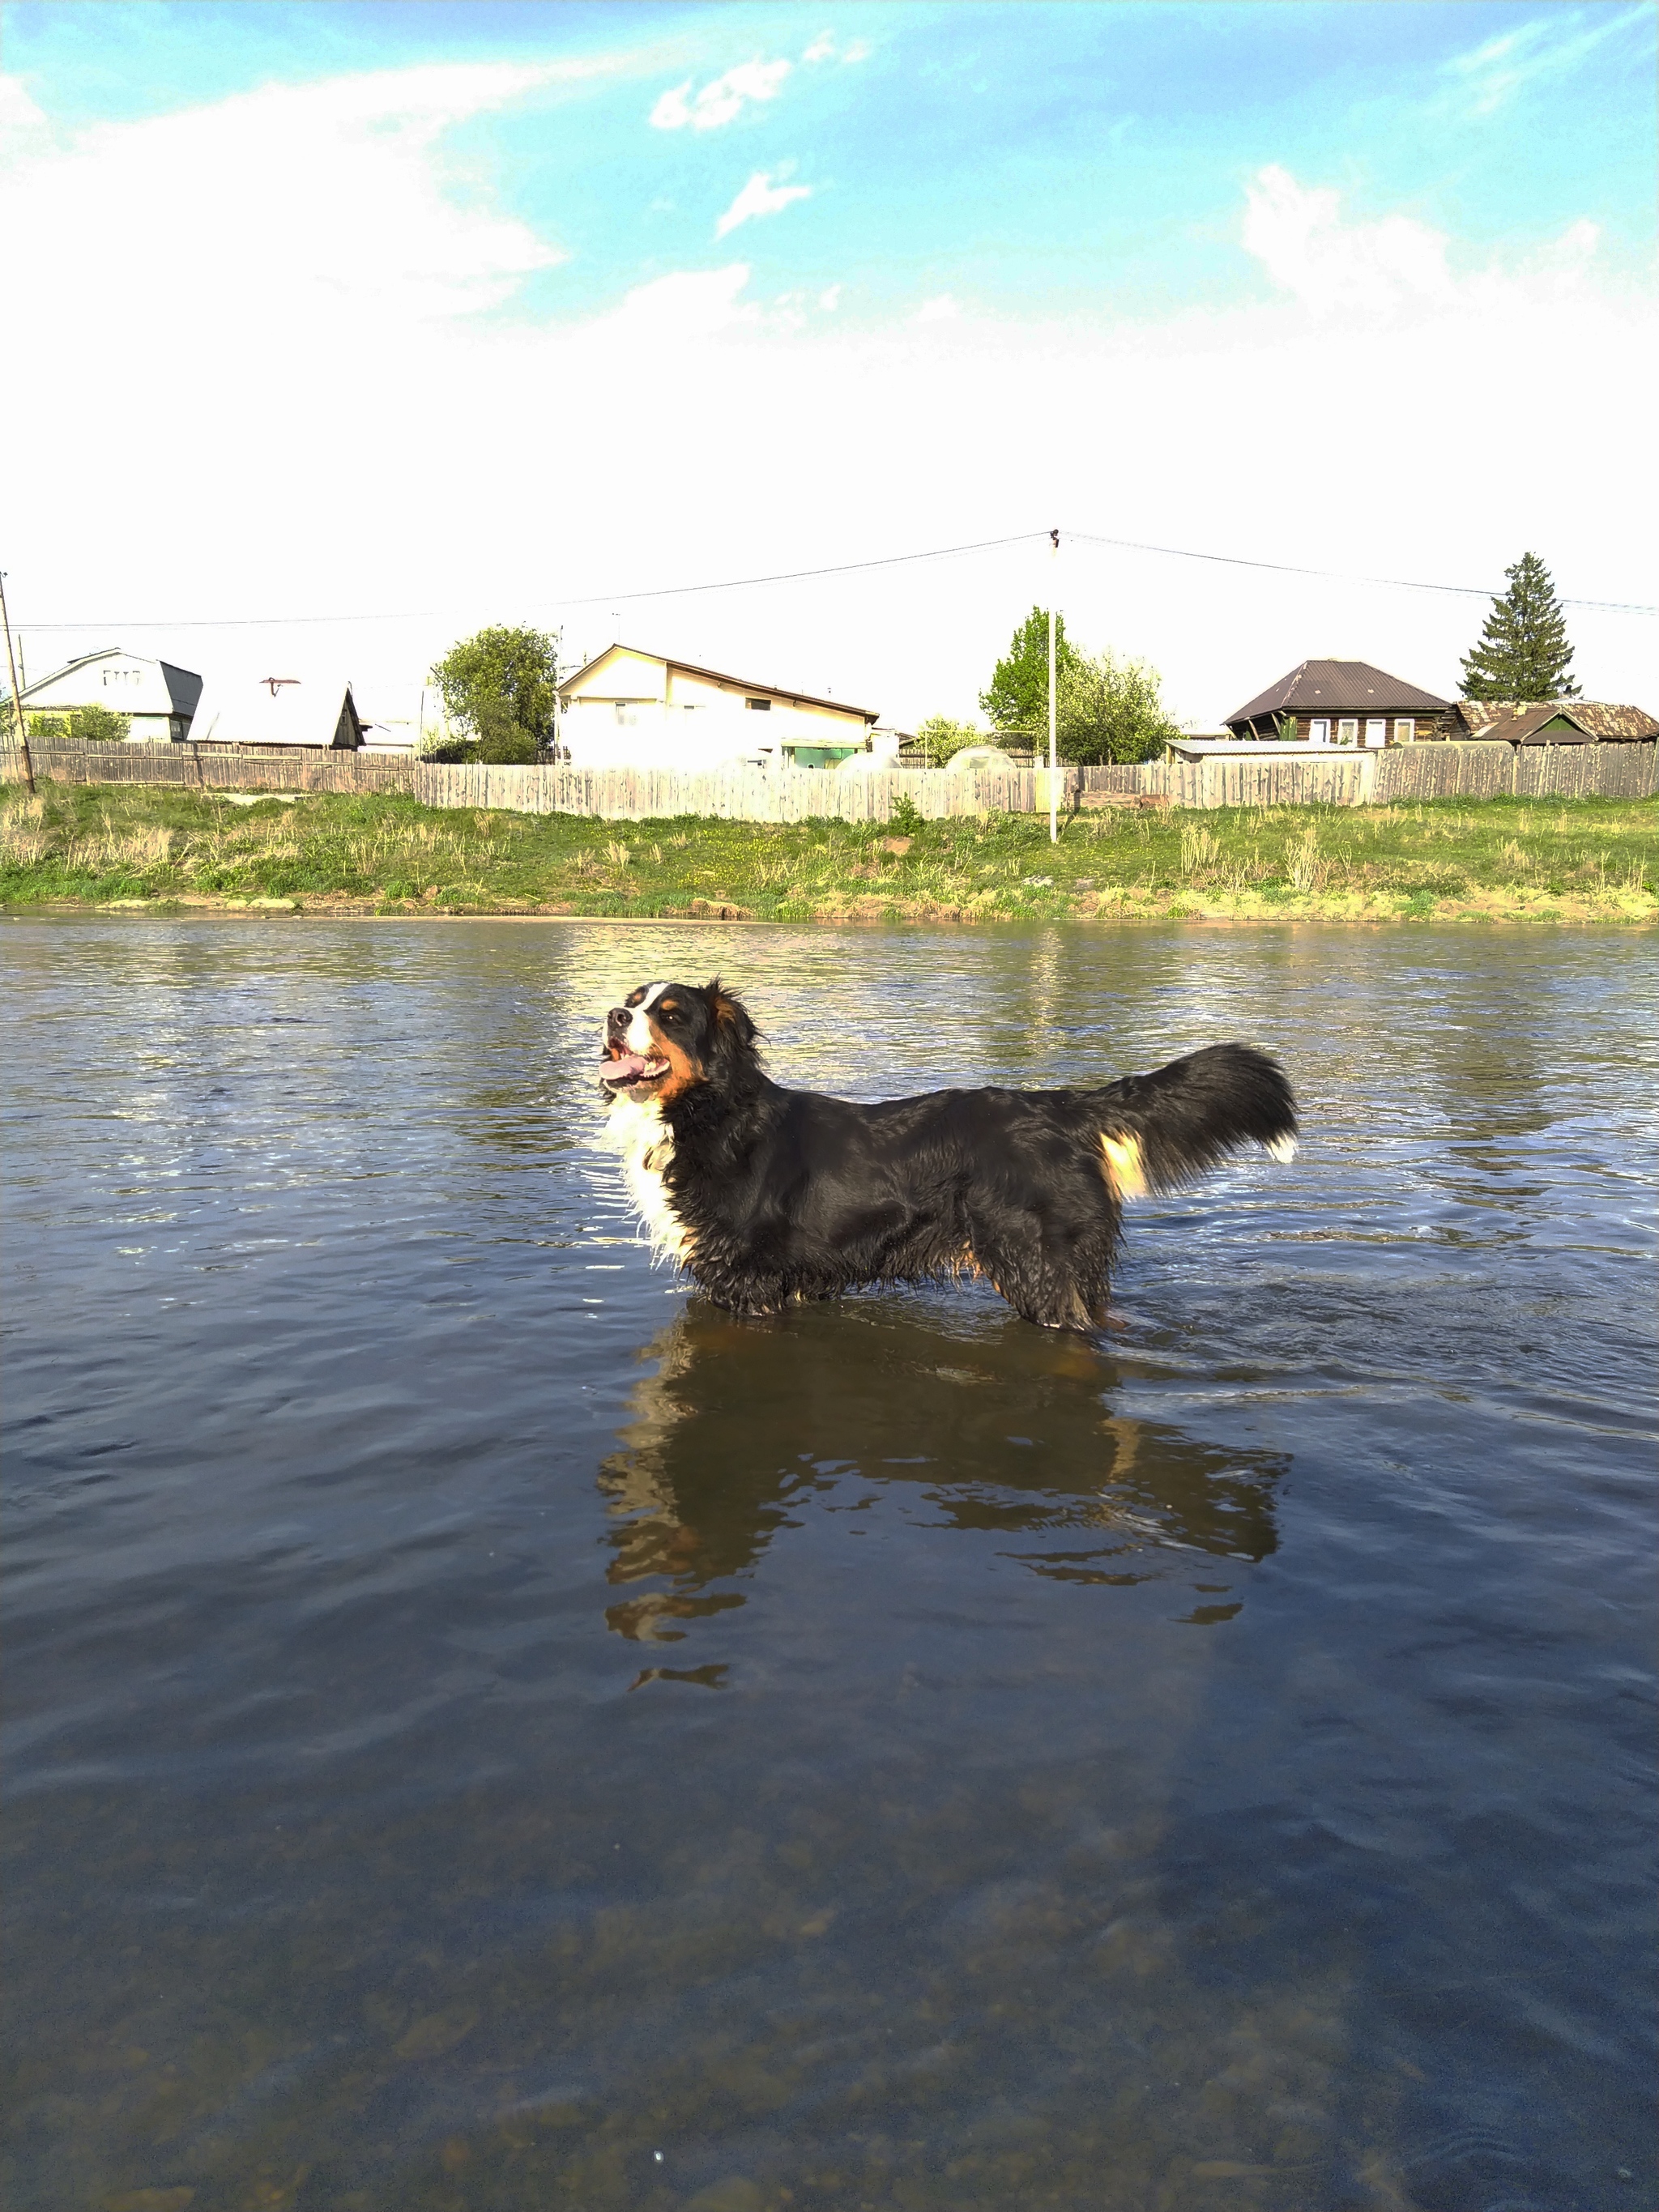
[[1053, 748], [16, 696]]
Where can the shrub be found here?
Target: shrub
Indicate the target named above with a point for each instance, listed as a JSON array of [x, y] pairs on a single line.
[[99, 725], [940, 739]]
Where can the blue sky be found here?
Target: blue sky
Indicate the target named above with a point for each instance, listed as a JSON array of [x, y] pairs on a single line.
[[1112, 186], [1017, 155]]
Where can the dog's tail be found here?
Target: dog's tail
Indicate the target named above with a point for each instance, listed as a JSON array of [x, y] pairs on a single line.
[[1159, 1130]]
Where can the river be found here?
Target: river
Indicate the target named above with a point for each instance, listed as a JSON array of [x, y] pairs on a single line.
[[485, 1729]]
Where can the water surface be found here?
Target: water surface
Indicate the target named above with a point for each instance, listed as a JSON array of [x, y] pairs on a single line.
[[488, 1730]]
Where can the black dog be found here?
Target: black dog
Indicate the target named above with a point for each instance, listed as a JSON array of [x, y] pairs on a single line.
[[768, 1195]]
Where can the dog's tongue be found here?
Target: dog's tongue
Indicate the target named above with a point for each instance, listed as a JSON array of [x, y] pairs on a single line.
[[628, 1069]]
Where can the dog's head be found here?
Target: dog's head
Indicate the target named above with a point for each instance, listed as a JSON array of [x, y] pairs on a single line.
[[666, 1038]]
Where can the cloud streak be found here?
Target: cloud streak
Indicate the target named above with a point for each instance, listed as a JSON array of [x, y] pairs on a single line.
[[762, 195], [722, 99]]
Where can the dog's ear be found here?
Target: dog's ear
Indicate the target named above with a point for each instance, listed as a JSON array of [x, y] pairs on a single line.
[[728, 1013]]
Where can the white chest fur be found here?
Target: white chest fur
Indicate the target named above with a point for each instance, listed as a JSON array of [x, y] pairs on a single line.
[[635, 1131]]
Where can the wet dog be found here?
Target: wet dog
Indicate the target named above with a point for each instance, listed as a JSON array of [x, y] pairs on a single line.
[[766, 1195]]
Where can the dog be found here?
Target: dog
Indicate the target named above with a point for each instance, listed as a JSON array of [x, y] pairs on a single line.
[[767, 1196]]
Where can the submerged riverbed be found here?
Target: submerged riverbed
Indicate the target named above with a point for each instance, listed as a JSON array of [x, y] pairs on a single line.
[[487, 1730]]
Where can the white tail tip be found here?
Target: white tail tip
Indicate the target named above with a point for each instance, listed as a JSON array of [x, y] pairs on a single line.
[[1282, 1148]]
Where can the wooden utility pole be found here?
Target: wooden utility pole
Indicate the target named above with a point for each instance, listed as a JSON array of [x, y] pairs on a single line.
[[16, 694], [1053, 748]]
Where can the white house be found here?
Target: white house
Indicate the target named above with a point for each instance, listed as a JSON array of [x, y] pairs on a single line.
[[629, 708], [160, 698], [280, 710]]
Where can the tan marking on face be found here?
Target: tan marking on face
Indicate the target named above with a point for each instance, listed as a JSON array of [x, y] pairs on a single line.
[[682, 1070], [1124, 1169]]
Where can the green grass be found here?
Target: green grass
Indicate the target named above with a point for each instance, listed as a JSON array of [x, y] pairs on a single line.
[[1556, 859]]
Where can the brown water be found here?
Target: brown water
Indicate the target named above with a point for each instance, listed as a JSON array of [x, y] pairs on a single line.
[[487, 1730]]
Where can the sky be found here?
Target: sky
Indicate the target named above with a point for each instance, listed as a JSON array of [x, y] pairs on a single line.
[[347, 329]]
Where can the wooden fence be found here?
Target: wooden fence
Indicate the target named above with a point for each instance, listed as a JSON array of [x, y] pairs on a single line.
[[1401, 773]]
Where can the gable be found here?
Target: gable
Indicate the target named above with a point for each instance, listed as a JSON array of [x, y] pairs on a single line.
[[620, 672]]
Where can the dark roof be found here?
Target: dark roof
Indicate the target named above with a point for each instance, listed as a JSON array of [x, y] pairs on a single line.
[[184, 687], [1601, 718], [1339, 687]]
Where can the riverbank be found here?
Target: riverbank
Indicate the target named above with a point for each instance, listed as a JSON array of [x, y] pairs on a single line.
[[144, 848]]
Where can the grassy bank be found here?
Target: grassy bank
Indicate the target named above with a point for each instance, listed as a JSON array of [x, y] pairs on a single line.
[[1533, 859]]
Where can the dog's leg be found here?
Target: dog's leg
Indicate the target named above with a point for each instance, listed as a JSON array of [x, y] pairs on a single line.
[[1054, 1276]]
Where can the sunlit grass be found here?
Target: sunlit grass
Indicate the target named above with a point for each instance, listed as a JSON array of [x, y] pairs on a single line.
[[1591, 858]]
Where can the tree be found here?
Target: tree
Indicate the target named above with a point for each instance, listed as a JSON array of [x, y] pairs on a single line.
[[1017, 700], [92, 724], [1111, 709], [1523, 652], [99, 725], [500, 688], [940, 739]]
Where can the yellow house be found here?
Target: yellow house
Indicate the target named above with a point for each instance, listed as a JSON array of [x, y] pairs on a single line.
[[629, 708]]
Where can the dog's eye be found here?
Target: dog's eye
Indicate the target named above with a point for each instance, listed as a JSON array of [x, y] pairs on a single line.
[[671, 1014]]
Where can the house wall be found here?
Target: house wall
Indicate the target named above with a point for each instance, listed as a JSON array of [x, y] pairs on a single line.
[[1427, 723], [125, 683], [638, 680]]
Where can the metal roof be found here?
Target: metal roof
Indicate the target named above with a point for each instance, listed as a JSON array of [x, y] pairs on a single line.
[[275, 710], [1529, 728], [718, 676], [1340, 687], [1601, 718]]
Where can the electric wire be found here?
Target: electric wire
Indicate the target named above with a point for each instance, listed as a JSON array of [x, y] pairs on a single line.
[[617, 599]]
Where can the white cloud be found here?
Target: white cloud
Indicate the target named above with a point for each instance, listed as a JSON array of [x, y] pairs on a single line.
[[690, 304], [269, 207], [825, 49], [944, 309], [269, 392], [722, 99], [830, 299], [762, 195], [1336, 268]]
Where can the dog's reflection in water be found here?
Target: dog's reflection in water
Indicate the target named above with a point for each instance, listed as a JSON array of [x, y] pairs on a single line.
[[740, 1422]]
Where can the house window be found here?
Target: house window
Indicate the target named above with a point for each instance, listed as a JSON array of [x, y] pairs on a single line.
[[759, 706], [1347, 732], [1405, 730], [1376, 733], [1319, 734]]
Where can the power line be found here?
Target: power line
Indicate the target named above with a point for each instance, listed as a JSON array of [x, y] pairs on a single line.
[[1340, 576], [847, 569]]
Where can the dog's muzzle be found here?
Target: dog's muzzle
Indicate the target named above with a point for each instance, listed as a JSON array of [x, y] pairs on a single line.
[[619, 1065]]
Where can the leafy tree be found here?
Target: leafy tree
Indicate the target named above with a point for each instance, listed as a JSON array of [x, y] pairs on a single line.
[[499, 688], [1111, 709], [1018, 699], [99, 725], [82, 725], [941, 738], [1523, 652]]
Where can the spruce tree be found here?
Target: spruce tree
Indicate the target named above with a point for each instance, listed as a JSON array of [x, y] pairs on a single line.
[[1523, 652]]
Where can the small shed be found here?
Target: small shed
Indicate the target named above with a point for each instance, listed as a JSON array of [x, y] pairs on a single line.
[[315, 711], [1602, 721], [1549, 725], [158, 698]]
